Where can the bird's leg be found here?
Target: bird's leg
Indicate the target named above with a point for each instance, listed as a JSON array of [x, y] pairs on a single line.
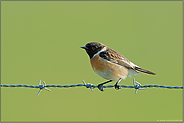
[[117, 87], [100, 86]]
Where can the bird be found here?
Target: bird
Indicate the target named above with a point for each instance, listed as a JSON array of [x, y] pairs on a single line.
[[110, 64]]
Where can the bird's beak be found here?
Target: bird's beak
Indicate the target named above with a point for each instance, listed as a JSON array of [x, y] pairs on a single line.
[[84, 47]]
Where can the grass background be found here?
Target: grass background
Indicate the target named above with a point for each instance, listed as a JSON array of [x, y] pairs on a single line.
[[41, 40]]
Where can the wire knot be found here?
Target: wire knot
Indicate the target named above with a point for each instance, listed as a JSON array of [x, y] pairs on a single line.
[[42, 87], [137, 86], [88, 85]]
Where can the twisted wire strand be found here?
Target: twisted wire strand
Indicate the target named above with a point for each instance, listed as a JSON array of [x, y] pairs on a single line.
[[136, 85], [108, 86]]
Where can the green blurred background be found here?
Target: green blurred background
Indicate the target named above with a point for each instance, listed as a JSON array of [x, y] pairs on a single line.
[[41, 40]]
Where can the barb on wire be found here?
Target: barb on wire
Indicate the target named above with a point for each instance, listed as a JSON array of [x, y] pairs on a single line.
[[136, 85], [42, 87], [88, 85]]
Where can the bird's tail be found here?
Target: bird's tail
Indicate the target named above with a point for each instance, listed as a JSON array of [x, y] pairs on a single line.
[[144, 71]]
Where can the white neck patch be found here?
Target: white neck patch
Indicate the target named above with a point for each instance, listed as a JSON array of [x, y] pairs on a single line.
[[104, 49]]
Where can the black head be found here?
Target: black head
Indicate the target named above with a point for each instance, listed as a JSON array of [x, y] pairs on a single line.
[[93, 47]]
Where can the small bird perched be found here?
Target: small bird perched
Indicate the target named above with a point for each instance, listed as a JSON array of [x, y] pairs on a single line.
[[110, 64]]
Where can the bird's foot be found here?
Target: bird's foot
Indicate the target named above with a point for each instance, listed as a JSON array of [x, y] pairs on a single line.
[[100, 87], [117, 87]]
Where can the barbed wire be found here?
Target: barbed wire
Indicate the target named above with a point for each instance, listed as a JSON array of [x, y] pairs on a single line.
[[136, 85]]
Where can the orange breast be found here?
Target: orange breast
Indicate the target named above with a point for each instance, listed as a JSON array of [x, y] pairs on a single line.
[[108, 70], [97, 63]]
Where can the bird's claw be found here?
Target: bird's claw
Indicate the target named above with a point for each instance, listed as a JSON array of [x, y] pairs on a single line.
[[117, 87], [100, 87]]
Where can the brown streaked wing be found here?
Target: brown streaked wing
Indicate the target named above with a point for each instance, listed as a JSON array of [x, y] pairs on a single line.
[[115, 57]]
